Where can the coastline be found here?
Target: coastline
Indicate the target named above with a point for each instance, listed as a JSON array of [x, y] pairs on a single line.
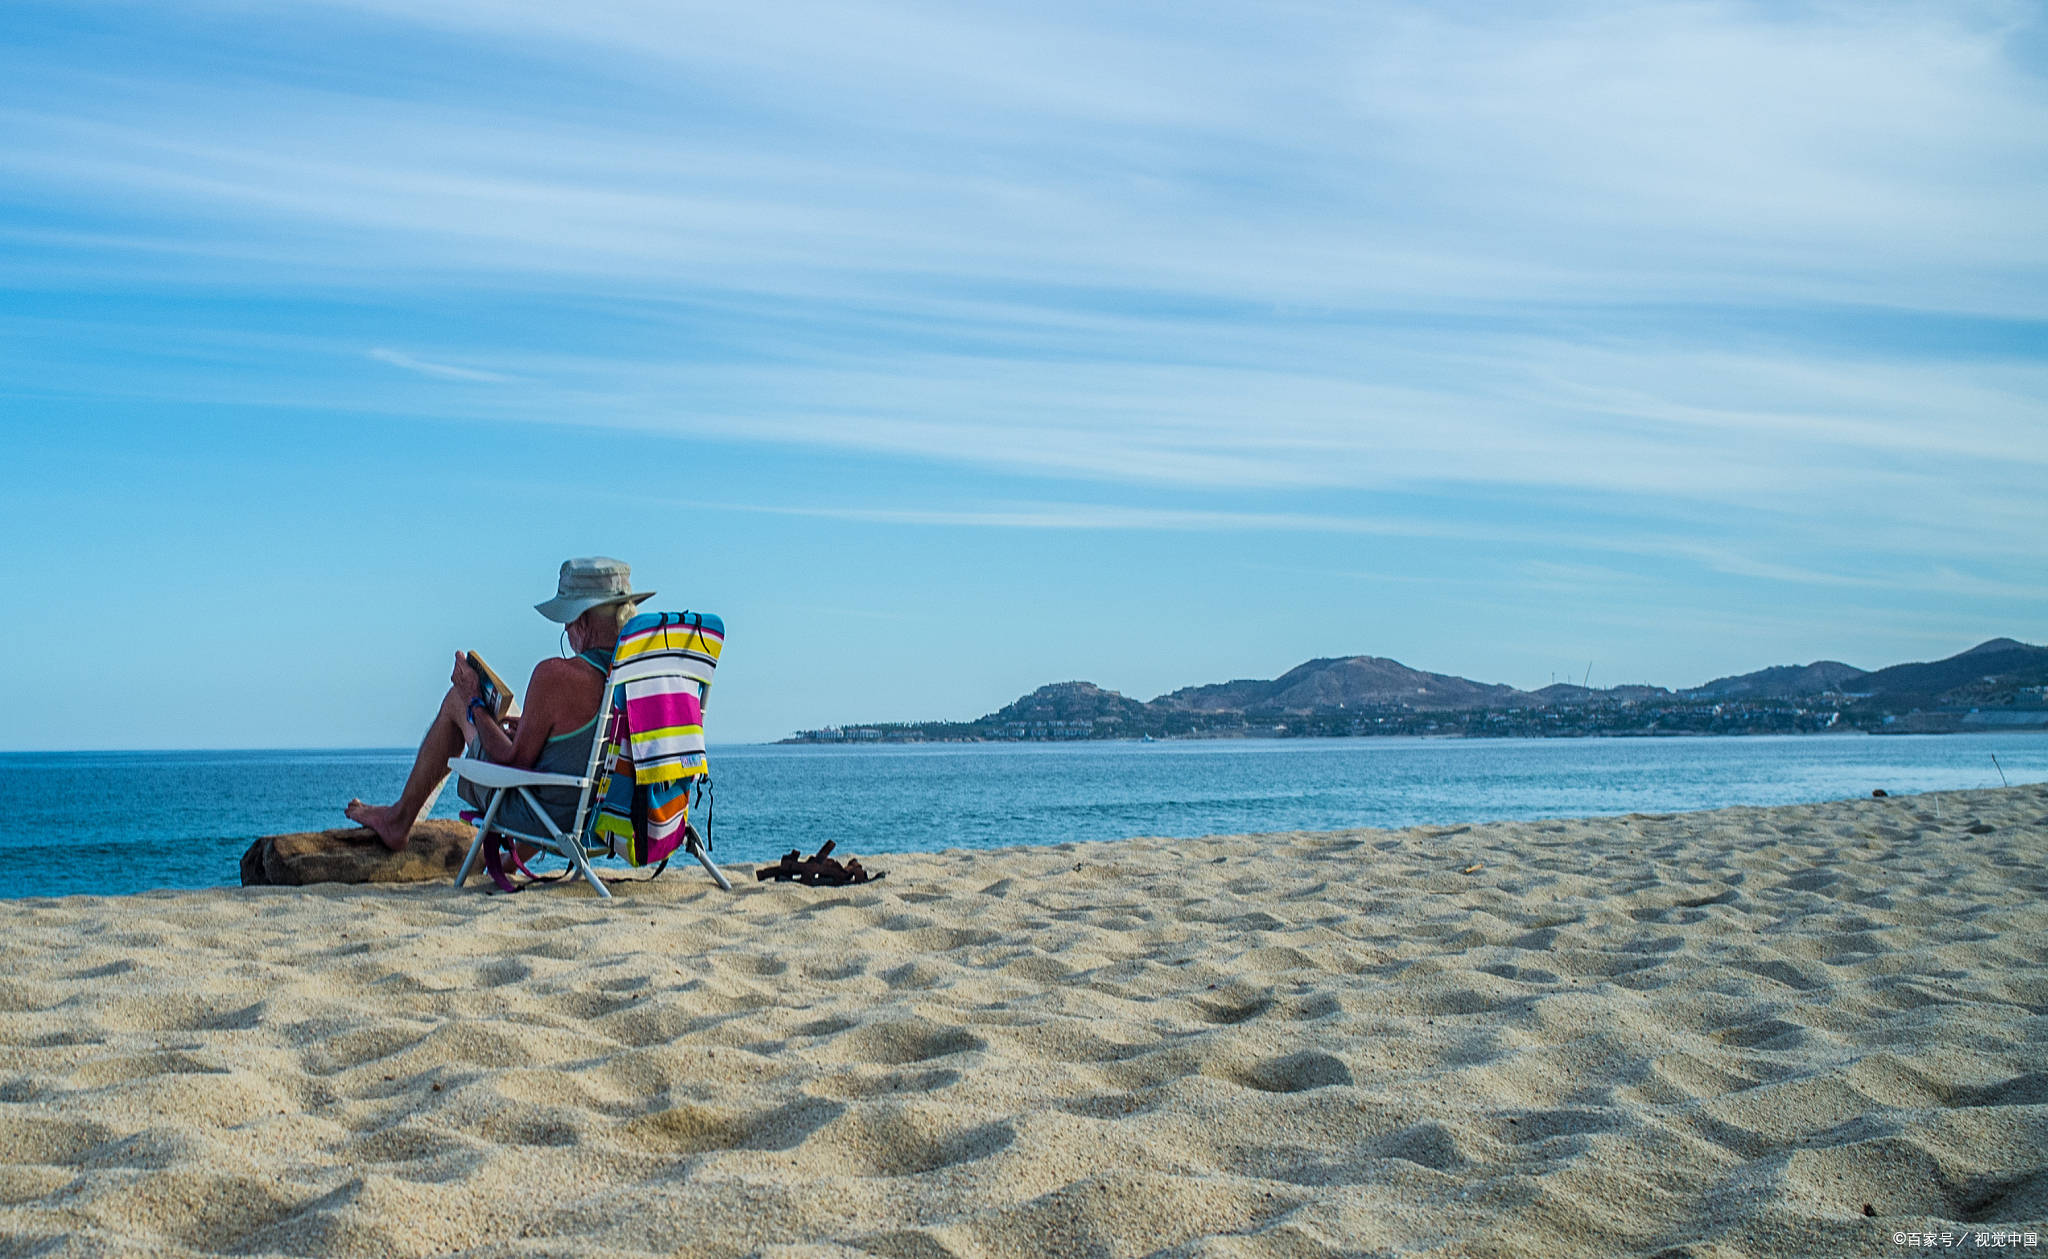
[[933, 797], [1268, 736], [1729, 1031], [2000, 682], [889, 739]]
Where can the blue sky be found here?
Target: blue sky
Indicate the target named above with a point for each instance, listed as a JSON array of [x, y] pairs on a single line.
[[947, 350]]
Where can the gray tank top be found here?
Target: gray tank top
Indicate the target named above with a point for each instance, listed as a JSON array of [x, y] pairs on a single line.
[[565, 753]]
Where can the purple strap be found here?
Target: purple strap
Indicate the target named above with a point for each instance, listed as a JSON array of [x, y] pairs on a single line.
[[494, 867]]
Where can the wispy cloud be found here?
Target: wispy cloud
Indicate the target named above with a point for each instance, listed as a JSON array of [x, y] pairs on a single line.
[[1339, 155], [1083, 516], [1507, 260], [1722, 559], [1914, 455], [1846, 452], [440, 371]]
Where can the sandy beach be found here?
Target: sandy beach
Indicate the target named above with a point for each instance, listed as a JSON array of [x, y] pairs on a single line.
[[1782, 1031]]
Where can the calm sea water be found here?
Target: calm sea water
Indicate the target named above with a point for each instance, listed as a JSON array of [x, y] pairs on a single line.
[[131, 821]]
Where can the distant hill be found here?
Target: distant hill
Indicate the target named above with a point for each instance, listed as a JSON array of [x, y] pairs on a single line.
[[1218, 697], [1070, 701], [1373, 695], [1343, 682], [2000, 662], [1784, 681], [1567, 693]]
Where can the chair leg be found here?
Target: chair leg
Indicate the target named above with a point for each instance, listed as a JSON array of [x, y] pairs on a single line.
[[695, 846], [427, 807], [571, 847], [476, 845]]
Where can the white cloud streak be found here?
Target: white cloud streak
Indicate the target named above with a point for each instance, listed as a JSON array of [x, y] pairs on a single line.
[[1389, 248], [1879, 153], [439, 371], [1086, 517]]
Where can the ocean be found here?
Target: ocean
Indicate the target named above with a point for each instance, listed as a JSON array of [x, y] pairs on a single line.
[[117, 822]]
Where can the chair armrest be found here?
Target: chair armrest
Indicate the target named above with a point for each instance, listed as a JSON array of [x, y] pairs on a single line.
[[485, 774]]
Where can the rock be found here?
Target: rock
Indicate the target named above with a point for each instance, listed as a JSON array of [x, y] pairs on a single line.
[[352, 854]]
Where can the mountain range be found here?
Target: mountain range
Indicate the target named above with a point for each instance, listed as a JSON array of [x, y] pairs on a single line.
[[1372, 694]]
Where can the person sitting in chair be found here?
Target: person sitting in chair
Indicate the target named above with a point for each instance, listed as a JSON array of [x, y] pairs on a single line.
[[593, 599]]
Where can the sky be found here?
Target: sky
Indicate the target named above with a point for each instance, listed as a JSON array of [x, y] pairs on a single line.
[[946, 350]]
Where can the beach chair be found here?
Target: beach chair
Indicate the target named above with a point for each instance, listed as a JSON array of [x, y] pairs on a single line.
[[646, 764]]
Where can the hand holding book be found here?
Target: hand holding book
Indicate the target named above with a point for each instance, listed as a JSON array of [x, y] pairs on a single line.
[[491, 689]]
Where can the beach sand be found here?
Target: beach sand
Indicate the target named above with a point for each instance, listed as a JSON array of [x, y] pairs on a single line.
[[1746, 1032]]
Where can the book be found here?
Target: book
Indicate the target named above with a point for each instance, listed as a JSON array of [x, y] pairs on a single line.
[[491, 688]]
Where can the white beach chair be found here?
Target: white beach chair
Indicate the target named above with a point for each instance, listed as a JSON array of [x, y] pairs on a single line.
[[644, 656]]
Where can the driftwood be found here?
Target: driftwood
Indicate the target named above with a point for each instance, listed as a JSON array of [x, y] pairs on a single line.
[[351, 854], [817, 870]]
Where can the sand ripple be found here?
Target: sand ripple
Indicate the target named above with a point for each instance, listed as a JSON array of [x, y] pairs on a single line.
[[1746, 1032]]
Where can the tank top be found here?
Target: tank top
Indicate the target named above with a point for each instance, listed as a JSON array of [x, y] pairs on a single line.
[[600, 659]]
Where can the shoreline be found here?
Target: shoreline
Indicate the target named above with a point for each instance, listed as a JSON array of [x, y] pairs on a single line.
[[399, 750], [936, 797], [1236, 737], [1728, 1030]]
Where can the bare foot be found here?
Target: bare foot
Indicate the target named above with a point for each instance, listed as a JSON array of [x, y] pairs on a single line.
[[385, 819]]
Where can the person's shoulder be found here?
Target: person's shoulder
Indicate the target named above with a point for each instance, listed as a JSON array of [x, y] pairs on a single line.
[[555, 670]]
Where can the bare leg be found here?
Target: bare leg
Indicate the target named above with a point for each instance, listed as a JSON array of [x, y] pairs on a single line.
[[444, 738]]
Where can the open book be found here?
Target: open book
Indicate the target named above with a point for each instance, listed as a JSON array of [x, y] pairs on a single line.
[[495, 694]]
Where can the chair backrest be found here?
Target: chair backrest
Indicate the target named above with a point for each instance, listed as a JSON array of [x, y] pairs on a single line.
[[669, 644], [662, 671]]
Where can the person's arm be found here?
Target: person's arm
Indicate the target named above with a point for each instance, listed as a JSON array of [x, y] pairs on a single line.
[[492, 742], [520, 747], [480, 728]]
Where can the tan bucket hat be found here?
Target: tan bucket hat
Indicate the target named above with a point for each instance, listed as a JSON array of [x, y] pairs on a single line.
[[590, 582]]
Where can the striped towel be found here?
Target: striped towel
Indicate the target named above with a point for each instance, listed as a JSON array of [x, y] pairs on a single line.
[[665, 728], [686, 643], [660, 674]]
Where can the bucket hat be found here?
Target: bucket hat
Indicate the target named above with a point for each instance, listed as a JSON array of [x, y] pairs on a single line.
[[590, 582]]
